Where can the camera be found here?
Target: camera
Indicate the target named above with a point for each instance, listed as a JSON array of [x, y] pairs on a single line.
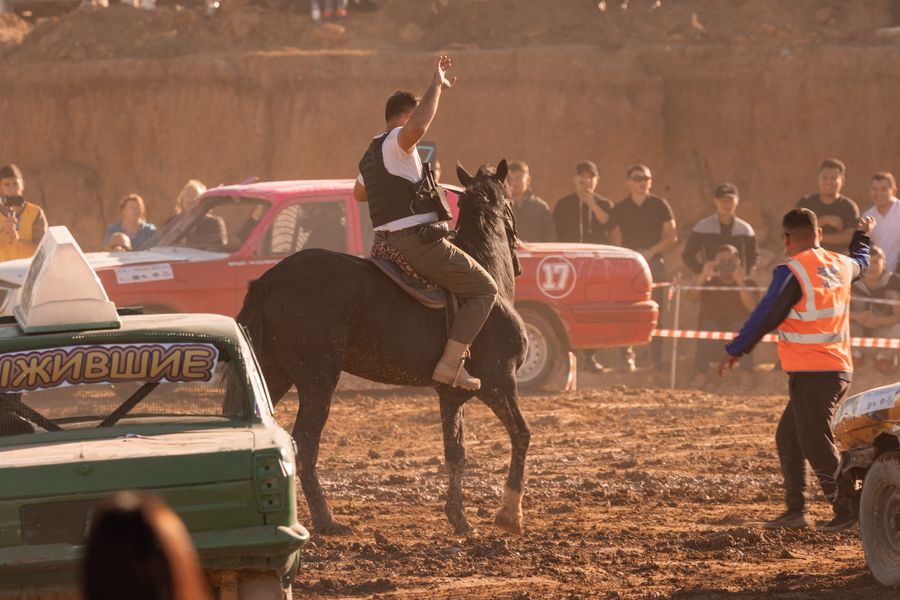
[[726, 266], [16, 201]]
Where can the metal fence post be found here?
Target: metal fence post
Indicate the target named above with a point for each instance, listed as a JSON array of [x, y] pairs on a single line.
[[675, 326]]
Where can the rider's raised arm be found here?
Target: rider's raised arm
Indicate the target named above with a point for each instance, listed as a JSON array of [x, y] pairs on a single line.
[[422, 115]]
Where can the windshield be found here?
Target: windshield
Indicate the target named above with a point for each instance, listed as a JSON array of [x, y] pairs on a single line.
[[115, 385], [217, 224]]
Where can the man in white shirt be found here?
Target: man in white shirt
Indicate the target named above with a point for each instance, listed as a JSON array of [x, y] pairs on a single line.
[[390, 172], [886, 212]]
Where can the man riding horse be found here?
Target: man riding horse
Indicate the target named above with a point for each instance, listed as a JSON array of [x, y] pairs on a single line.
[[391, 174]]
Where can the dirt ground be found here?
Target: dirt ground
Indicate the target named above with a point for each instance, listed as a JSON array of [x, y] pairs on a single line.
[[631, 493]]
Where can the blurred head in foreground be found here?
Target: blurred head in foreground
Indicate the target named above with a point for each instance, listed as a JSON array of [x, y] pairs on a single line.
[[139, 549]]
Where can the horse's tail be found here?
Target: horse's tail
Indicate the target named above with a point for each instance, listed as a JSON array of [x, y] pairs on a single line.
[[251, 315]]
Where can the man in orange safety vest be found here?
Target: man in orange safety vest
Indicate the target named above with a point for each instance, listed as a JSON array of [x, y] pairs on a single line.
[[808, 302]]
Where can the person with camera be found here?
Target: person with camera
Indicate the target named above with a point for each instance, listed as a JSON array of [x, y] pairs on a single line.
[[808, 303], [410, 214], [22, 224], [584, 215], [722, 310]]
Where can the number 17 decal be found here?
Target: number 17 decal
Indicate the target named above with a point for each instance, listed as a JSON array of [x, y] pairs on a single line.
[[556, 277]]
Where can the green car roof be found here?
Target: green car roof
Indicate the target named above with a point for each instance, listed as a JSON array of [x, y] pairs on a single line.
[[135, 328]]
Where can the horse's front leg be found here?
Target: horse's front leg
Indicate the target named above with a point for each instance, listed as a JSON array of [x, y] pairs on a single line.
[[505, 404], [452, 402]]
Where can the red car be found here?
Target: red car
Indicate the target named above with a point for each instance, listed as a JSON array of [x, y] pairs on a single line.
[[571, 296]]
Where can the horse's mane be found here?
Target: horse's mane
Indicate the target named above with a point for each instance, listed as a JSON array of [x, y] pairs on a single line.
[[482, 226]]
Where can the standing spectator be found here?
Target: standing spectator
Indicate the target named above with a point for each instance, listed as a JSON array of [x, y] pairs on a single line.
[[646, 223], [806, 301], [886, 212], [837, 213], [721, 227], [133, 223], [22, 224], [868, 319], [338, 8], [722, 310], [583, 216], [534, 222], [138, 548]]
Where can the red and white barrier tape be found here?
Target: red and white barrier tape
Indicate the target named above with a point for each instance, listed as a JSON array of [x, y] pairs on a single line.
[[862, 342]]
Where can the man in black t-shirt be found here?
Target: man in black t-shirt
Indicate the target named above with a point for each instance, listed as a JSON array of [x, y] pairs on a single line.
[[584, 215], [837, 214], [646, 223]]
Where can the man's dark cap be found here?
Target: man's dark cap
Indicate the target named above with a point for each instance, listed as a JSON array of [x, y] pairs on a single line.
[[587, 167], [10, 171], [726, 189]]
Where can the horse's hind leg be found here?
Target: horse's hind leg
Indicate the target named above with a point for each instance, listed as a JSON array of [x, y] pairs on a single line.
[[505, 405], [315, 386], [452, 402]]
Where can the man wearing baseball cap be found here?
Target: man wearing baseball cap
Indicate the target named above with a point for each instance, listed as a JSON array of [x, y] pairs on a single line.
[[583, 216], [720, 228]]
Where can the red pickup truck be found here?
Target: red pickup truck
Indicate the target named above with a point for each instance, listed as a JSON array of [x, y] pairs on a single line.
[[571, 296]]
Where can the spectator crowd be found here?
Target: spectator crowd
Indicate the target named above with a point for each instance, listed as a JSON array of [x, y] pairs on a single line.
[[721, 255]]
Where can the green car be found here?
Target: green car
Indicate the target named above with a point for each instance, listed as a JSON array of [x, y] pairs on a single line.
[[94, 401]]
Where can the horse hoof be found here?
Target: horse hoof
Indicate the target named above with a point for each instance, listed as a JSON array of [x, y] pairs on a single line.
[[333, 528], [462, 527], [509, 522]]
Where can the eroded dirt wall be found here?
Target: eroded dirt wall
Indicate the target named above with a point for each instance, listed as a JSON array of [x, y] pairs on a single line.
[[88, 133]]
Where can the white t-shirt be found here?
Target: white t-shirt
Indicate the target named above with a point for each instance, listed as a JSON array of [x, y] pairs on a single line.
[[886, 234], [409, 167]]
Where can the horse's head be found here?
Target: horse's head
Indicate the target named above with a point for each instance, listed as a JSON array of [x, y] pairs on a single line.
[[487, 226]]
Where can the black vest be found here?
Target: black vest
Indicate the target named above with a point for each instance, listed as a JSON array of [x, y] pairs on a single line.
[[390, 197]]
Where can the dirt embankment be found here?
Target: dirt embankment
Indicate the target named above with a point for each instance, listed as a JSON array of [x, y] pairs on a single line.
[[112, 101]]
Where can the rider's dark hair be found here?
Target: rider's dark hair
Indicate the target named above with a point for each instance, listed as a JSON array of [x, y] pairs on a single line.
[[399, 103]]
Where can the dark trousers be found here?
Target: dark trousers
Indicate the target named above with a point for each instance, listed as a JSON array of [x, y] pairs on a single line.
[[804, 434]]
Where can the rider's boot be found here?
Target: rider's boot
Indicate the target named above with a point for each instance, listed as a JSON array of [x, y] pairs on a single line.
[[450, 369]]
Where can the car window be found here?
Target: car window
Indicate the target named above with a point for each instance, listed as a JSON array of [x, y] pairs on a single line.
[[307, 225], [218, 224], [119, 385]]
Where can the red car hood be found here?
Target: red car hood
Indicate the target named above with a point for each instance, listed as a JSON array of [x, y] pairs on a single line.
[[576, 250], [13, 271]]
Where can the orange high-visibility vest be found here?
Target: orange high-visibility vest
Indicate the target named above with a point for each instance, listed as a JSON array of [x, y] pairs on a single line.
[[26, 221], [815, 336]]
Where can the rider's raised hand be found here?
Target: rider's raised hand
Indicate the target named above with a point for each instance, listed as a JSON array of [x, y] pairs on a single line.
[[440, 72]]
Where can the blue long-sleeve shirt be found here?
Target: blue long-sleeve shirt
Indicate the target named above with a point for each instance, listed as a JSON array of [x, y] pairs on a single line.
[[783, 293]]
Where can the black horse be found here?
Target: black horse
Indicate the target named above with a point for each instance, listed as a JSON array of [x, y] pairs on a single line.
[[317, 313]]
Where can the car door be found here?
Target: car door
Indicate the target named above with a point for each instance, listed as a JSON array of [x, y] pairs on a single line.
[[299, 224]]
